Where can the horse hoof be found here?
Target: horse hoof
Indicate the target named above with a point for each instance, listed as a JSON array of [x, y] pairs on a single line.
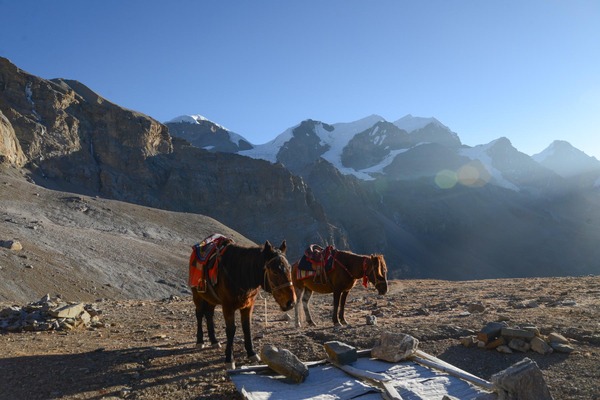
[[230, 365], [200, 345], [255, 358], [215, 345]]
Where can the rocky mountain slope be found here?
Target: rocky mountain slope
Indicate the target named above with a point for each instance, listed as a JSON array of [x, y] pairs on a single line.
[[71, 139]]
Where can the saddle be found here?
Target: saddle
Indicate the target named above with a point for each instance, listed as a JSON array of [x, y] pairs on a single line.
[[316, 261], [204, 261]]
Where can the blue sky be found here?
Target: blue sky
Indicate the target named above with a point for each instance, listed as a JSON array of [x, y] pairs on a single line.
[[526, 70]]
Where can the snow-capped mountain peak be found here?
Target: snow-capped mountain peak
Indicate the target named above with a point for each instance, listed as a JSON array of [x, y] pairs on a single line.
[[411, 124], [194, 119], [566, 160]]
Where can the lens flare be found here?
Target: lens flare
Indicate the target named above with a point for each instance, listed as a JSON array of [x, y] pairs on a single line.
[[446, 179]]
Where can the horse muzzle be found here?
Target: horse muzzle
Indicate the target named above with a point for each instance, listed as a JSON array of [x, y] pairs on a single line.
[[289, 305]]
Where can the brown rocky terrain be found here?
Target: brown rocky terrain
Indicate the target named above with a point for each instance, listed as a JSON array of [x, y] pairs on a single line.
[[130, 263]]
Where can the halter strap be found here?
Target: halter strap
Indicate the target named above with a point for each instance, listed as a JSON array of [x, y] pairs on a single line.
[[365, 277], [266, 277]]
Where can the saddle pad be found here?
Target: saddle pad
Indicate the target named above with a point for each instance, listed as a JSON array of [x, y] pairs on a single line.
[[203, 259], [304, 274]]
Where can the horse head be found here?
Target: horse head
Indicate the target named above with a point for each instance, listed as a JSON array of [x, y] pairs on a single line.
[[377, 273], [278, 276]]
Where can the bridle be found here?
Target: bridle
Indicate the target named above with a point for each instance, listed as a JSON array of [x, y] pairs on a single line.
[[267, 277], [376, 279]]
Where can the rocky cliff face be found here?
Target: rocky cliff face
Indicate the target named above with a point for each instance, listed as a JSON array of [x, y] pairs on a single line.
[[10, 148], [69, 133], [73, 139]]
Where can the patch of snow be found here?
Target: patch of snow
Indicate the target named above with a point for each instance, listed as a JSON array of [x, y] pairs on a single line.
[[194, 119], [480, 153], [546, 153], [269, 150]]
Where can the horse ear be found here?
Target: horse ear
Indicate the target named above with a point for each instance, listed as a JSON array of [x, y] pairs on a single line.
[[283, 246], [268, 246]]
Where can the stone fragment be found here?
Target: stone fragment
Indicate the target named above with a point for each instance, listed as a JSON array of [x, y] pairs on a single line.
[[519, 345], [534, 329], [504, 349], [540, 346], [394, 347], [284, 362], [495, 343], [557, 338], [13, 245], [67, 311], [341, 352], [521, 381], [491, 331], [562, 347], [468, 341], [517, 333], [371, 320]]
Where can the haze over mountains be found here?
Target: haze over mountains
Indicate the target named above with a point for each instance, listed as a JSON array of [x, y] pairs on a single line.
[[408, 189], [366, 148]]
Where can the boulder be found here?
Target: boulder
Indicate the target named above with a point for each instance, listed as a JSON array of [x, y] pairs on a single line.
[[394, 347], [521, 381], [340, 353], [284, 362]]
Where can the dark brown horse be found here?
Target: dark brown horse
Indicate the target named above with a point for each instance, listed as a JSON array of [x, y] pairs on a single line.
[[347, 269], [242, 272]]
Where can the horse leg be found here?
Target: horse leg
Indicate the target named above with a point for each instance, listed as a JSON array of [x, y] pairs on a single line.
[[306, 305], [199, 333], [246, 317], [299, 294], [343, 297], [209, 313], [200, 306], [336, 303], [229, 316]]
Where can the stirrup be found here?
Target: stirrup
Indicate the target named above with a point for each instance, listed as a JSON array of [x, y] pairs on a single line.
[[201, 288]]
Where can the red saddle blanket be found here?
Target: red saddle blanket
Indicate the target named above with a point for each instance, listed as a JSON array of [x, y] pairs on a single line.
[[204, 260]]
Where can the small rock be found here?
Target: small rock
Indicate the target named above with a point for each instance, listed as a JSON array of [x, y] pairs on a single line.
[[562, 347], [468, 341], [519, 345], [540, 346], [557, 338], [504, 349]]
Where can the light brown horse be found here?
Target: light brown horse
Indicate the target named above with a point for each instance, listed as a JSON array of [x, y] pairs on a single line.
[[242, 272], [347, 268]]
